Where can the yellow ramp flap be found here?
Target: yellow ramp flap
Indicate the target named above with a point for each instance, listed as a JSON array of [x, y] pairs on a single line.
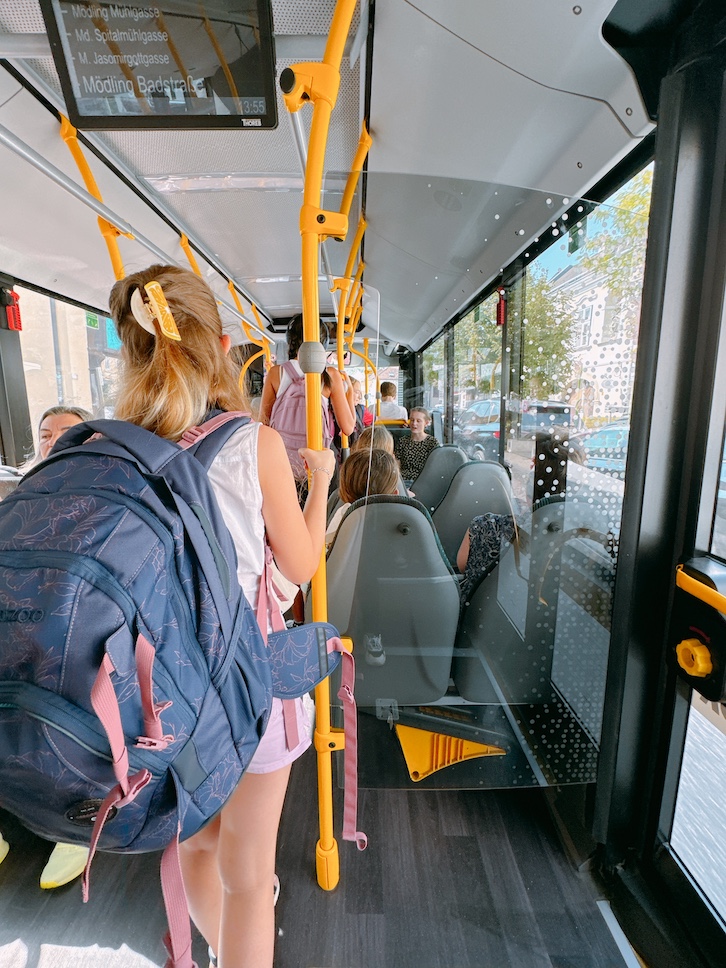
[[425, 752]]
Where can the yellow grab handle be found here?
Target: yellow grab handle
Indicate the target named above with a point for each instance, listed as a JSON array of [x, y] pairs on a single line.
[[700, 591], [109, 232]]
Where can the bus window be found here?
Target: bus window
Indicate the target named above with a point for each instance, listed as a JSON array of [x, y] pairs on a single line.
[[71, 356]]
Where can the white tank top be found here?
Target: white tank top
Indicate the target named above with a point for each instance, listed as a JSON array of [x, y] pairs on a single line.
[[236, 484]]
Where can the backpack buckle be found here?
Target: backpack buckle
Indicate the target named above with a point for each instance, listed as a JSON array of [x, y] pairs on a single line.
[[189, 437], [156, 745]]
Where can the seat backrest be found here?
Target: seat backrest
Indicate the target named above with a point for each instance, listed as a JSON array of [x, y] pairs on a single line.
[[437, 425], [396, 428], [475, 488], [334, 502], [391, 589], [433, 481]]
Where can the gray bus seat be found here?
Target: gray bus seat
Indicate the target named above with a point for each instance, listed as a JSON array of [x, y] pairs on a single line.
[[396, 428], [334, 502], [476, 487], [433, 481], [391, 589]]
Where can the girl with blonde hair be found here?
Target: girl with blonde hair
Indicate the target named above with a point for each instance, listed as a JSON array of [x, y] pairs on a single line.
[[364, 472], [176, 371], [376, 436]]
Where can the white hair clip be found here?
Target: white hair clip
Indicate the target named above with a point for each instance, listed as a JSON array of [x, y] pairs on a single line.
[[156, 309]]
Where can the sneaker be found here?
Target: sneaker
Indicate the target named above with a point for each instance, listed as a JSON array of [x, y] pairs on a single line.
[[4, 848], [212, 959], [65, 864]]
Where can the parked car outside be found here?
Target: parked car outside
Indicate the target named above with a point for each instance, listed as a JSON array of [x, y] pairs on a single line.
[[540, 416], [607, 448], [477, 429]]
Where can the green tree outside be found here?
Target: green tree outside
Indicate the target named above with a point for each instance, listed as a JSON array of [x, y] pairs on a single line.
[[548, 328]]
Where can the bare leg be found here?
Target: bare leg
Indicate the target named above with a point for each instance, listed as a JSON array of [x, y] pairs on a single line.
[[201, 880], [247, 848]]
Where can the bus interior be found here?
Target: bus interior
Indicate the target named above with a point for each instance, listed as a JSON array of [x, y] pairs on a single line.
[[519, 222]]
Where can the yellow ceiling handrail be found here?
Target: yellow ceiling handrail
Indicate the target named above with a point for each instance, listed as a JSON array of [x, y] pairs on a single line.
[[355, 291], [259, 337], [184, 243], [109, 232], [357, 311], [343, 285], [355, 245], [247, 364], [369, 366], [267, 343], [364, 144]]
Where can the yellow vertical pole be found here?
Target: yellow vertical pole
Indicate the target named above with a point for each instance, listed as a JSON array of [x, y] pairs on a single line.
[[319, 83]]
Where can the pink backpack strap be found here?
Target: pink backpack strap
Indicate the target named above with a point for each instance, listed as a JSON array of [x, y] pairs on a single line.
[[350, 726], [178, 940], [105, 705], [195, 434], [290, 370]]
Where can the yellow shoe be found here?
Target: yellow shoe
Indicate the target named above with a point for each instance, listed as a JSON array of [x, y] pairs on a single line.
[[4, 848], [65, 864]]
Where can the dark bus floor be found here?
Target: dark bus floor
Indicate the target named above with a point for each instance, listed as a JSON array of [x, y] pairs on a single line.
[[450, 879]]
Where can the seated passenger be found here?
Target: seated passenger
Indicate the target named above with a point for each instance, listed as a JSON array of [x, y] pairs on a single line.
[[413, 451], [53, 424], [377, 437], [364, 418], [364, 472], [482, 547], [390, 410]]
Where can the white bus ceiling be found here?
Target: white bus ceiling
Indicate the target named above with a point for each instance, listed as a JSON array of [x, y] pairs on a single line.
[[483, 136]]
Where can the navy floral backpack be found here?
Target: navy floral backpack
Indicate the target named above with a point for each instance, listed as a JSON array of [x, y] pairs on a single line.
[[135, 682]]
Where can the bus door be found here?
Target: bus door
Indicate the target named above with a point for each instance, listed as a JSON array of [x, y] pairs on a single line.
[[661, 792]]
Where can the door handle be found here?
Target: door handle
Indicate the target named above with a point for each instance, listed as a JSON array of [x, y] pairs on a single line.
[[698, 644]]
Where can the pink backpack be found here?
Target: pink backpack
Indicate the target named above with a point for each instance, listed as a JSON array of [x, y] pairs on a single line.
[[288, 419]]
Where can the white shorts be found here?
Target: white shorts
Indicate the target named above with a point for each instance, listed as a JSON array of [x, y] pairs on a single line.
[[272, 753]]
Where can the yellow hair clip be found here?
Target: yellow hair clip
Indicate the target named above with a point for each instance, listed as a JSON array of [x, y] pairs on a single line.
[[145, 314], [161, 310]]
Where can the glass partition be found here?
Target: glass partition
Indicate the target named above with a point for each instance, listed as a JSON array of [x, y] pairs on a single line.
[[478, 382], [434, 375], [480, 609]]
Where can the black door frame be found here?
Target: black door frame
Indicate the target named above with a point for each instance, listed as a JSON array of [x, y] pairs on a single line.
[[683, 299]]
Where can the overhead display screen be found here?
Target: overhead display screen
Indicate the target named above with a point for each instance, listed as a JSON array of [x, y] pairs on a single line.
[[172, 64]]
